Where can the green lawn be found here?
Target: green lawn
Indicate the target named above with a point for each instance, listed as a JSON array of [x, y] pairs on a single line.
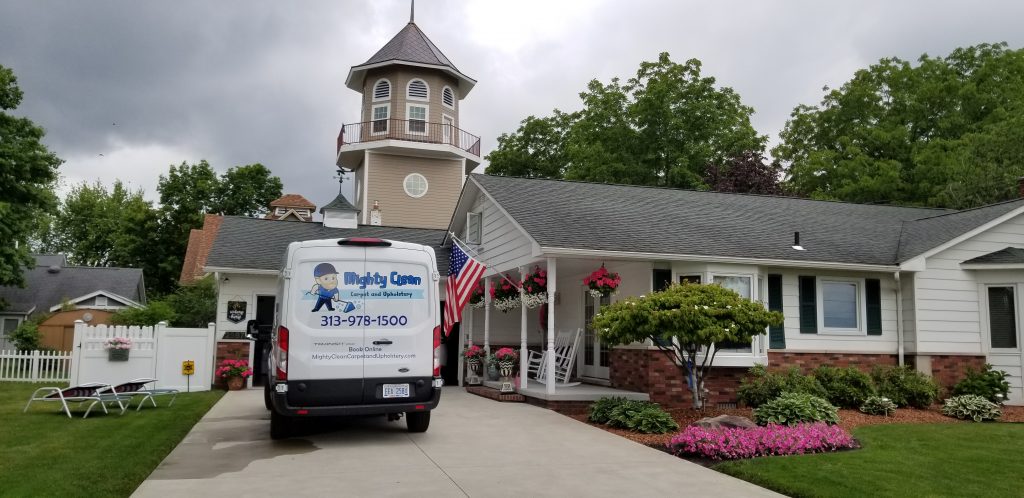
[[902, 460], [44, 453]]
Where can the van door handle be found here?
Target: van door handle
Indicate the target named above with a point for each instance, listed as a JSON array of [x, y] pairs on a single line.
[[381, 342]]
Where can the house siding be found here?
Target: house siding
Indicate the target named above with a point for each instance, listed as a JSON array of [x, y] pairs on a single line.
[[385, 185], [400, 76], [240, 287], [504, 246]]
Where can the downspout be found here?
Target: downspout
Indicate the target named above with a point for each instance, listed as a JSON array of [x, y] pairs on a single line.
[[899, 317]]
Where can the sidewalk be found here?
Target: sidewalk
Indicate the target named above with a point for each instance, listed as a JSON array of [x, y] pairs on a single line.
[[475, 447]]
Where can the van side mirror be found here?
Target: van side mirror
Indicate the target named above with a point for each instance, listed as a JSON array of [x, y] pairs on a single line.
[[252, 329]]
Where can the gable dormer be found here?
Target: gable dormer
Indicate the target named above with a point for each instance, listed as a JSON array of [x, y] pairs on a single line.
[[291, 207]]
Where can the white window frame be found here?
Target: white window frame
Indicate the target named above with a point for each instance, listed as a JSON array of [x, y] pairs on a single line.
[[748, 276], [409, 120], [405, 187], [478, 237], [4, 318], [447, 131], [448, 89], [987, 321], [861, 329], [387, 120], [101, 301], [280, 211], [373, 91], [409, 96]]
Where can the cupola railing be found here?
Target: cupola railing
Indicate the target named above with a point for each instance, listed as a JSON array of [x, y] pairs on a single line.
[[411, 130]]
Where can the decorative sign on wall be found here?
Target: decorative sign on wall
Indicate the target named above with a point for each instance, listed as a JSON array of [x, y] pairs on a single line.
[[236, 311]]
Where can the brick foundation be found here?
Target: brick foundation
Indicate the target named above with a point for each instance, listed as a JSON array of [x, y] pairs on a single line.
[[230, 351], [652, 372], [806, 362], [947, 370]]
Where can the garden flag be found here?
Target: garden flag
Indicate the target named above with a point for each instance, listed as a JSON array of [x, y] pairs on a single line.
[[463, 273]]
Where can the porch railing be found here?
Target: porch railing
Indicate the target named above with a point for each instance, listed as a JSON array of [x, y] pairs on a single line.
[[410, 130]]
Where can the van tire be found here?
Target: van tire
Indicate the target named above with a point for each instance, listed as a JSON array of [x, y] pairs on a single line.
[[280, 426], [417, 421], [266, 393]]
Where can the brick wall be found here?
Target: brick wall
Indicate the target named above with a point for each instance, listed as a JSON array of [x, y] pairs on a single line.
[[230, 351], [806, 362], [949, 369]]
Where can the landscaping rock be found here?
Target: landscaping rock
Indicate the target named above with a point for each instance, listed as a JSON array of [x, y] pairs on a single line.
[[728, 421]]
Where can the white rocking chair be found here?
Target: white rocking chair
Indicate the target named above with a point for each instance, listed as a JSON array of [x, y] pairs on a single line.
[[566, 343]]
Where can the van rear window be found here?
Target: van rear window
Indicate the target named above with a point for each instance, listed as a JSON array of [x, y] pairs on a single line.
[[357, 294]]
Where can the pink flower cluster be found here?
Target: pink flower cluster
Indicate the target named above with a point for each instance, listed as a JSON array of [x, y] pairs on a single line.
[[477, 294], [504, 289], [506, 354], [473, 351], [118, 343], [603, 280], [234, 368], [536, 282], [729, 444]]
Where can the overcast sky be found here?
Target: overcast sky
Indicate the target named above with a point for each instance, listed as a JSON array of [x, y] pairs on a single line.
[[126, 88]]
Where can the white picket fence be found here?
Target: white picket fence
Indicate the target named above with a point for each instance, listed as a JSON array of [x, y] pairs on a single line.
[[35, 366]]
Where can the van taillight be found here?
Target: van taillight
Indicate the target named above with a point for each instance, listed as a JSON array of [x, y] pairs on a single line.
[[437, 351], [364, 241], [282, 353]]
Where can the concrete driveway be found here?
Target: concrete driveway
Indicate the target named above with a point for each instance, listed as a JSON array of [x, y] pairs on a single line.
[[475, 447]]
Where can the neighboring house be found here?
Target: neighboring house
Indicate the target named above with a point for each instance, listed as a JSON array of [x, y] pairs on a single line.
[[83, 293], [864, 285], [291, 207]]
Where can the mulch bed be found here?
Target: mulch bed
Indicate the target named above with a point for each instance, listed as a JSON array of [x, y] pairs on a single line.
[[849, 420]]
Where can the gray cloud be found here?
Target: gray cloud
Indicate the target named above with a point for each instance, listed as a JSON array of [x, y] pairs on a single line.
[[243, 82]]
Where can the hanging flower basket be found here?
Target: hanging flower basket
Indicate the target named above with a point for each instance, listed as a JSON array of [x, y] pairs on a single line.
[[476, 296], [535, 286], [602, 282], [505, 294], [118, 348]]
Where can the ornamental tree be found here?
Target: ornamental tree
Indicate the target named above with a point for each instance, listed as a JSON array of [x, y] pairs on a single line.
[[686, 322]]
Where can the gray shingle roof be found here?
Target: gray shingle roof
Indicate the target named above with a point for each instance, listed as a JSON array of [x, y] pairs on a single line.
[[44, 289], [411, 45], [1010, 255], [558, 213], [340, 203], [260, 244]]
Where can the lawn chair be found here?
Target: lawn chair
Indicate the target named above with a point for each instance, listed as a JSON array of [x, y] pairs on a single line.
[[137, 388], [91, 393], [566, 344]]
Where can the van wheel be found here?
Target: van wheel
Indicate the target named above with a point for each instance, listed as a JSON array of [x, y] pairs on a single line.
[[280, 425], [417, 421], [266, 393]]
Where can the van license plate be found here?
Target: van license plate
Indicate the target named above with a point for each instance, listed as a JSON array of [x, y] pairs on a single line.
[[396, 390]]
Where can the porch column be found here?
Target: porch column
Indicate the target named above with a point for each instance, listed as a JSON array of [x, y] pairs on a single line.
[[466, 337], [552, 288], [522, 335], [487, 322]]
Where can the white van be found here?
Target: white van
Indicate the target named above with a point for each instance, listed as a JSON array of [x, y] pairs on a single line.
[[358, 332]]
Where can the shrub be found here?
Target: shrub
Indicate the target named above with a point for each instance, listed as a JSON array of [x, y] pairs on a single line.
[[652, 420], [877, 405], [622, 415], [731, 443], [151, 314], [763, 386], [26, 336], [845, 387], [971, 406], [600, 411], [796, 408], [905, 386], [987, 383]]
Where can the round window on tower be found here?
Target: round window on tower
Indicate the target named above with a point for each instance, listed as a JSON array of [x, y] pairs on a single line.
[[415, 185]]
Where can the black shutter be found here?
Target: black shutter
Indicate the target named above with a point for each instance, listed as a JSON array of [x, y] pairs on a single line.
[[808, 305], [873, 292], [776, 333], [1002, 317]]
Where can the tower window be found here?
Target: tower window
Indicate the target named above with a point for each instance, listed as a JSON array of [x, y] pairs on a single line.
[[415, 185], [382, 90], [418, 90], [448, 97], [417, 115], [380, 118]]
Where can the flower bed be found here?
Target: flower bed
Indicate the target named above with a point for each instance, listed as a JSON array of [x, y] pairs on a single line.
[[730, 444]]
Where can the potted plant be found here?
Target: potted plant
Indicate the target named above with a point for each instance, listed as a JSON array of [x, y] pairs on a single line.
[[235, 371], [505, 295], [118, 348], [507, 359], [535, 287], [473, 354], [602, 282], [476, 296]]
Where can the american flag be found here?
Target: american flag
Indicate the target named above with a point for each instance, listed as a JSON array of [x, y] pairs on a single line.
[[462, 275]]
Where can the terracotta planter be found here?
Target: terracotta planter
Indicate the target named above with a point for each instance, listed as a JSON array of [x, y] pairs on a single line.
[[235, 383]]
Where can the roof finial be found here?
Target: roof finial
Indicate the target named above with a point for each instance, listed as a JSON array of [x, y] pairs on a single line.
[[412, 11]]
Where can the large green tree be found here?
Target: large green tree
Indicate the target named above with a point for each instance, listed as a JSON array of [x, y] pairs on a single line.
[[948, 131], [28, 172], [660, 127]]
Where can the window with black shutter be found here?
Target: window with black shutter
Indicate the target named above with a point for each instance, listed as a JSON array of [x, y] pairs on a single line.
[[873, 295], [776, 333], [1002, 318], [808, 305]]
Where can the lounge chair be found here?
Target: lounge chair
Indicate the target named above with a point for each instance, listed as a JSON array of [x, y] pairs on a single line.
[[566, 343], [137, 387], [91, 393]]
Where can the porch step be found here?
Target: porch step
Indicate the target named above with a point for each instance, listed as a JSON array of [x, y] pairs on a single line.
[[491, 393]]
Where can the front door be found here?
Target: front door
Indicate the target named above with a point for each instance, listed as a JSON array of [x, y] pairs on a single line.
[[595, 354], [447, 128]]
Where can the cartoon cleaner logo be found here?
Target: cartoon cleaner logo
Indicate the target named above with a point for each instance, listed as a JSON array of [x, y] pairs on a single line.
[[326, 289]]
